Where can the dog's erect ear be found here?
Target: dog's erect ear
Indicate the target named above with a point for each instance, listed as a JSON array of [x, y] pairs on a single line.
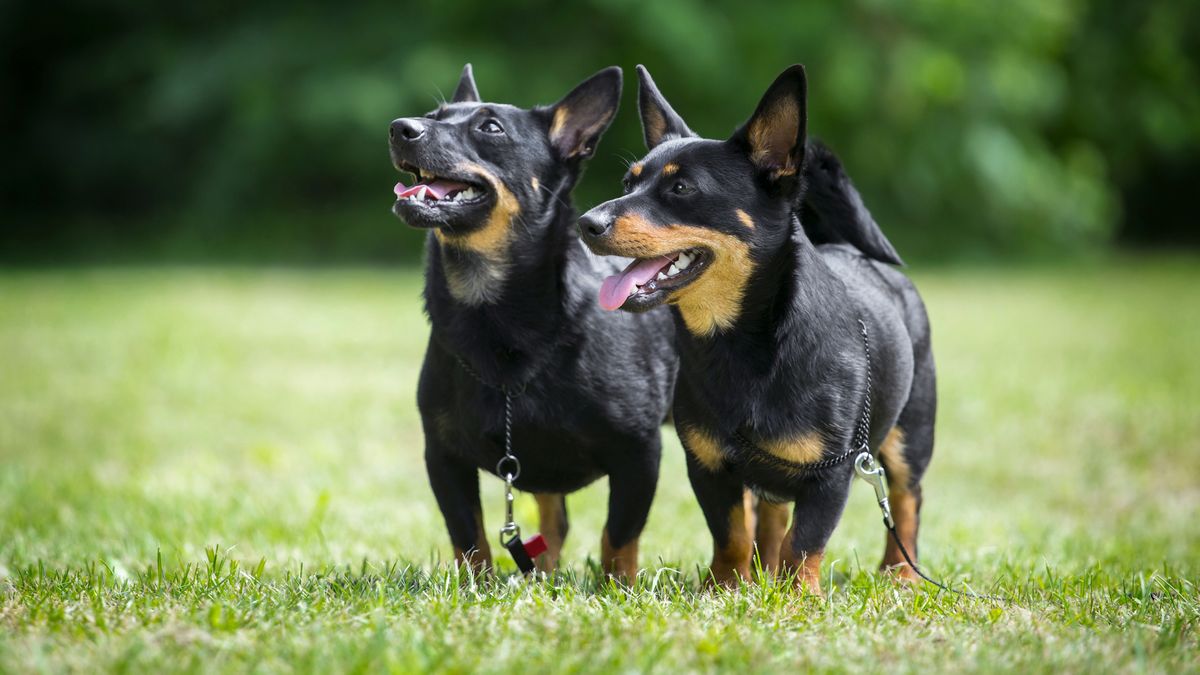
[[660, 122], [582, 116], [466, 91], [774, 136]]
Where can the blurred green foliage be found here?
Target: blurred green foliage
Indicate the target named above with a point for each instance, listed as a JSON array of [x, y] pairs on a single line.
[[258, 130]]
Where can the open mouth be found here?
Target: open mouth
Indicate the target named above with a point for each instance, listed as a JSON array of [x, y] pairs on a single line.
[[436, 193], [646, 282]]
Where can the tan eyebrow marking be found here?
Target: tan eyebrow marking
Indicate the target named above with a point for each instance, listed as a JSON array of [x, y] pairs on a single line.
[[636, 169], [670, 169], [745, 218]]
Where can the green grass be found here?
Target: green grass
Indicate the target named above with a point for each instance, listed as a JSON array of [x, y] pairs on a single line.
[[212, 469]]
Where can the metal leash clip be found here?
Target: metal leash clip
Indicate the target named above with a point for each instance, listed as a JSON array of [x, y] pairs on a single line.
[[510, 528], [866, 469]]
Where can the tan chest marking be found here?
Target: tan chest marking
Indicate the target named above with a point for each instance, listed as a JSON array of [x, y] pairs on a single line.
[[802, 449], [702, 446]]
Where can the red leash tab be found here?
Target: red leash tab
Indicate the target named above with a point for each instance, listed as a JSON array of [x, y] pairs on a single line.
[[535, 546], [523, 552]]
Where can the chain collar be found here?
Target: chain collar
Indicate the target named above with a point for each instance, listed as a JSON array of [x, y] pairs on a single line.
[[745, 450]]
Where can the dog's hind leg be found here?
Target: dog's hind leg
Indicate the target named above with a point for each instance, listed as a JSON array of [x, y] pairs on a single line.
[[905, 500], [905, 454], [456, 487], [552, 517], [771, 527]]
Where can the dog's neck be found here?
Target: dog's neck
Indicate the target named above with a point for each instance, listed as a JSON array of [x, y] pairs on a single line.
[[501, 310], [784, 342]]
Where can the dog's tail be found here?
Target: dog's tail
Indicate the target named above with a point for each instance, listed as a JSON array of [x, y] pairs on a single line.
[[833, 212]]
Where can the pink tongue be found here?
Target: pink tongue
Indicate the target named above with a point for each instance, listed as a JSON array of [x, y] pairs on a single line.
[[438, 189], [615, 289]]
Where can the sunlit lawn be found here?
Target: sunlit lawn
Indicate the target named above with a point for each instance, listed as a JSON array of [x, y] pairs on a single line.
[[268, 416]]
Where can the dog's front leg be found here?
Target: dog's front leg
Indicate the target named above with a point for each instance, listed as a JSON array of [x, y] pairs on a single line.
[[631, 488], [722, 499], [819, 506], [456, 486]]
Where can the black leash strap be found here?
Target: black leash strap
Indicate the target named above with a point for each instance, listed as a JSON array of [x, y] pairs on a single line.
[[866, 468]]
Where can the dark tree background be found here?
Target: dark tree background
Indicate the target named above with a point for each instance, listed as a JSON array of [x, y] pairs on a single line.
[[257, 131]]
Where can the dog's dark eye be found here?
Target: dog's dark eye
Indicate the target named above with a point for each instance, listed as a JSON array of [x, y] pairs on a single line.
[[430, 116], [491, 127], [681, 188], [626, 185]]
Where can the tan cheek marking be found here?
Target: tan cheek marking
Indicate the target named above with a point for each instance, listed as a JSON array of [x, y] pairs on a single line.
[[636, 169], [891, 452], [535, 183], [802, 449], [492, 239], [703, 447], [765, 139], [712, 302], [670, 169], [745, 218]]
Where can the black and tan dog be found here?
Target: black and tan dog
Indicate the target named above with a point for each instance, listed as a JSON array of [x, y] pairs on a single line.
[[773, 367], [510, 293]]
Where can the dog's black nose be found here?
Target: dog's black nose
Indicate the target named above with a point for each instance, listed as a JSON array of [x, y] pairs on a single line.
[[594, 226], [407, 129]]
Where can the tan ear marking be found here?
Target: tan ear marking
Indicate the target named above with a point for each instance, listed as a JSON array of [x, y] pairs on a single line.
[[560, 120], [769, 147]]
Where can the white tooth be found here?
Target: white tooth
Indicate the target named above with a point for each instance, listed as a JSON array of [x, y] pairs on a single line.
[[421, 193], [469, 193], [661, 276], [673, 271], [633, 291], [684, 261]]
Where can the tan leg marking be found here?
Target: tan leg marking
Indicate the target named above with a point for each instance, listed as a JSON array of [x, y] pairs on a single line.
[[768, 536], [906, 507], [480, 557], [732, 561], [552, 520], [805, 567], [621, 562]]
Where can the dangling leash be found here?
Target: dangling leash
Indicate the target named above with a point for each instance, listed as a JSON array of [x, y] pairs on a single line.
[[865, 467], [509, 469]]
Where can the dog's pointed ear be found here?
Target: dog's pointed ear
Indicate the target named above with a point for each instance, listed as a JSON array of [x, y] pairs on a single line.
[[466, 92], [660, 122], [774, 136], [582, 116]]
